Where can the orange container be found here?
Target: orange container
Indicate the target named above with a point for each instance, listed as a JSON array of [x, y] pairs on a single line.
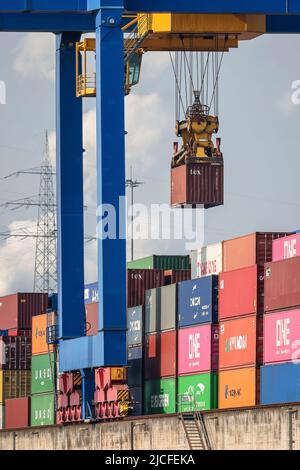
[[242, 252], [241, 342], [239, 388], [39, 338]]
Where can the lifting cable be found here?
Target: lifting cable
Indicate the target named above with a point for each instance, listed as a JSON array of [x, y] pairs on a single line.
[[189, 70]]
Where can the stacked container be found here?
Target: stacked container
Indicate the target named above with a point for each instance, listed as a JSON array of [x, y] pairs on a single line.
[[160, 350], [241, 307], [198, 343], [207, 261], [280, 375], [43, 375], [135, 345], [91, 299]]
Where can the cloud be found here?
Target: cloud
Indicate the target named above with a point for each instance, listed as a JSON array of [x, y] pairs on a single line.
[[286, 105], [17, 260], [34, 56]]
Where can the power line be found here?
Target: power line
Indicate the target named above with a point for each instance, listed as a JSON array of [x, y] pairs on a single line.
[[132, 184]]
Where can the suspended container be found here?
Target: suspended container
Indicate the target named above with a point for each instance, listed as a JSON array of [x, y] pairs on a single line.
[[198, 183], [164, 262]]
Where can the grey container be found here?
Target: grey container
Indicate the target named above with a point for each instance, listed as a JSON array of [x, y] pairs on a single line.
[[168, 307], [135, 326], [160, 313], [152, 310], [135, 367]]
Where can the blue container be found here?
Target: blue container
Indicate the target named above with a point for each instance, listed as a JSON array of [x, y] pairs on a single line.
[[53, 302], [135, 367], [136, 401], [134, 326], [198, 301], [91, 293], [280, 383]]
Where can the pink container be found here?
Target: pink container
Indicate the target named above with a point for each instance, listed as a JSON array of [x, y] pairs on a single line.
[[198, 349], [282, 336], [286, 247]]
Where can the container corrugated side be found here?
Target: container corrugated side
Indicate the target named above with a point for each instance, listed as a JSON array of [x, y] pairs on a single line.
[[16, 311], [198, 301], [14, 384], [280, 383], [17, 413], [42, 410], [15, 353], [43, 367], [140, 280], [247, 250], [286, 247], [136, 400], [207, 261], [160, 396], [39, 335], [160, 354], [282, 336], [282, 286], [135, 325], [197, 392], [239, 388], [164, 262]]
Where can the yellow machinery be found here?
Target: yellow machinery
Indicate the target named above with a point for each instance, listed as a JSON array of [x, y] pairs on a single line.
[[196, 132]]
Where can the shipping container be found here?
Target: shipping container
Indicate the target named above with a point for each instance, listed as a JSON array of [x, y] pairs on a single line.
[[198, 349], [280, 383], [91, 319], [248, 250], [2, 417], [239, 388], [174, 276], [282, 284], [197, 392], [14, 384], [136, 401], [241, 292], [198, 301], [42, 409], [39, 335], [286, 247], [160, 311], [17, 413], [135, 323], [241, 342], [91, 293], [17, 310], [152, 310], [135, 366], [160, 396], [198, 184], [140, 280], [15, 353], [164, 262], [282, 336], [207, 261], [53, 302], [43, 370], [160, 354]]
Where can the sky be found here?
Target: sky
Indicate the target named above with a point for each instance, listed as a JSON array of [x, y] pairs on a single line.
[[259, 126]]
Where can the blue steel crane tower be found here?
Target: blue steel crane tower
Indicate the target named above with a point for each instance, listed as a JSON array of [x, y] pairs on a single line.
[[68, 19]]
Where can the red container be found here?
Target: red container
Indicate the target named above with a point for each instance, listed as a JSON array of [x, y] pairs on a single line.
[[198, 184], [241, 342], [245, 251], [92, 319], [282, 284], [140, 280], [17, 413], [241, 292], [174, 276], [198, 349], [17, 310], [15, 333], [160, 355], [15, 353]]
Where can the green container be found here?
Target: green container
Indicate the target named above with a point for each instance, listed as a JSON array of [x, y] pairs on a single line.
[[42, 409], [42, 368], [160, 262], [160, 396], [197, 392]]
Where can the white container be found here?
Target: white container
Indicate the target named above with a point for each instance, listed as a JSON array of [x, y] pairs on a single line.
[[207, 260], [2, 417]]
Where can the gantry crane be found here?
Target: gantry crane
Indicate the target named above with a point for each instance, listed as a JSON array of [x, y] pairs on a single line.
[[68, 19]]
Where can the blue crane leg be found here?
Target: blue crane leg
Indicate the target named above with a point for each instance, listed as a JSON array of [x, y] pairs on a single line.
[[69, 192], [88, 391], [111, 176]]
